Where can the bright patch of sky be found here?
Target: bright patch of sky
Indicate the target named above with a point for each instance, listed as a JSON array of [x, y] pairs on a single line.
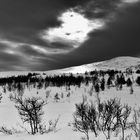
[[73, 30], [131, 1]]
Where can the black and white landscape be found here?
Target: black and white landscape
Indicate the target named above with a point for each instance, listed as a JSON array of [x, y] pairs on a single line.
[[70, 70]]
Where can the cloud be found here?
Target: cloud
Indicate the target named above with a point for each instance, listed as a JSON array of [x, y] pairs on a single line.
[[19, 56], [45, 34], [79, 21], [130, 1], [121, 37], [25, 18], [98, 8], [73, 30], [48, 17]]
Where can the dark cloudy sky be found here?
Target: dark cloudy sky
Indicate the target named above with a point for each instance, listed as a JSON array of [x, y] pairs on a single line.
[[53, 34]]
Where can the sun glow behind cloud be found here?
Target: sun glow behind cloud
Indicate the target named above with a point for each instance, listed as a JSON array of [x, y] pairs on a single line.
[[73, 30], [75, 26]]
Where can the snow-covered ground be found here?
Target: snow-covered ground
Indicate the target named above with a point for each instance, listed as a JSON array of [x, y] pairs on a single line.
[[63, 109]]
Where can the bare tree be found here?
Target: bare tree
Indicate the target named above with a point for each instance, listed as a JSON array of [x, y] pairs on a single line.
[[122, 118], [92, 117], [85, 118], [113, 116], [81, 122], [107, 118], [30, 110]]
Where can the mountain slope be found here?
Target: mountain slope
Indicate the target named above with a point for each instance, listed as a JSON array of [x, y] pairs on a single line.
[[118, 63], [121, 63]]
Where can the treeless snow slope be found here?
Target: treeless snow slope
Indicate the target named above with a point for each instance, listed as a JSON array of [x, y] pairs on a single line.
[[118, 63]]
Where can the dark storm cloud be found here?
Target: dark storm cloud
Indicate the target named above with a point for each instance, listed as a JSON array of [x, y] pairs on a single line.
[[21, 21], [28, 50], [9, 58], [8, 61], [99, 8], [3, 47], [120, 38], [24, 18]]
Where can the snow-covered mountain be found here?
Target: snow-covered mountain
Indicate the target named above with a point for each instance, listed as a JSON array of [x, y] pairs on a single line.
[[121, 63], [118, 63]]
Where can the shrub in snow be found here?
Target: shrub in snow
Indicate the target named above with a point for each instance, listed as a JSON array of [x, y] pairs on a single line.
[[106, 117], [30, 110], [5, 130], [122, 118], [81, 118], [51, 128], [9, 131], [56, 97], [68, 95], [82, 121], [112, 116]]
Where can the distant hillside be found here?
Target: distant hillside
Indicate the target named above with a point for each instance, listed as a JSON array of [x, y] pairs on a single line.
[[121, 63], [118, 63]]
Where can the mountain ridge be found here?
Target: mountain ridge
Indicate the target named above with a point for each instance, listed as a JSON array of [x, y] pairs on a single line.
[[118, 63]]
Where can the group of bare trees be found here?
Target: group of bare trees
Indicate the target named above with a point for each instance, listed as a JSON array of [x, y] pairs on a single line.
[[19, 83], [101, 80], [106, 117]]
